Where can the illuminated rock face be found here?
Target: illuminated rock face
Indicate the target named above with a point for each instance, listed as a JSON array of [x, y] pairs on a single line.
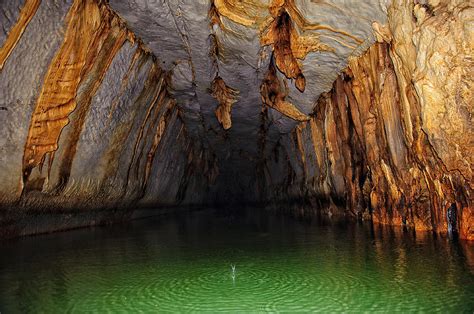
[[360, 109], [392, 140], [88, 122]]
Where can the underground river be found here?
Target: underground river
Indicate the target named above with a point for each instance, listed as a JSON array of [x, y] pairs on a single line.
[[182, 262]]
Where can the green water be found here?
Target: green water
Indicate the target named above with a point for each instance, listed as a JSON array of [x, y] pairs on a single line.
[[182, 263]]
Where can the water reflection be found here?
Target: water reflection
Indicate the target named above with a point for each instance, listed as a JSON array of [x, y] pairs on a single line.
[[181, 263]]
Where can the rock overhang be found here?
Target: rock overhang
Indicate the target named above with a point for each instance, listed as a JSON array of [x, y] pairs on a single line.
[[182, 35]]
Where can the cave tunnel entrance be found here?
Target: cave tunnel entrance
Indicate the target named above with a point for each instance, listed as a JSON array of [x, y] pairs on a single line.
[[236, 156]]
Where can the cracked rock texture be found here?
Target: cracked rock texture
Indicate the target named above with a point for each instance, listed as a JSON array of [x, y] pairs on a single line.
[[392, 141], [356, 108]]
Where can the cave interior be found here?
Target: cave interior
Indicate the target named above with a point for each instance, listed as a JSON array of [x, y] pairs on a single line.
[[354, 109]]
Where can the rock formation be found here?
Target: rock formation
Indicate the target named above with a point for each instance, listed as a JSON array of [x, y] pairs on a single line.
[[360, 109]]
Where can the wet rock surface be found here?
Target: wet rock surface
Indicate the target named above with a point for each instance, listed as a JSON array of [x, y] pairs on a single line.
[[359, 109], [372, 149]]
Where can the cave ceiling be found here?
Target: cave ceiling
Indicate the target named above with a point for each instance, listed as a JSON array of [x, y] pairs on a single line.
[[226, 58]]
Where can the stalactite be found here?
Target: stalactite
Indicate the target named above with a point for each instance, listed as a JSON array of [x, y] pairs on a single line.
[[153, 92], [247, 12], [261, 143], [89, 26], [200, 165], [386, 178], [26, 14], [226, 96], [112, 37], [160, 129], [124, 129], [390, 141], [139, 53], [273, 95], [288, 46]]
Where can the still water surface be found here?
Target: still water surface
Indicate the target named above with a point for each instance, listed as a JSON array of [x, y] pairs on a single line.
[[182, 263]]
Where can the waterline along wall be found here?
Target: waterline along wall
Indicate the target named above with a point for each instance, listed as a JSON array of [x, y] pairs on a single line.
[[362, 110]]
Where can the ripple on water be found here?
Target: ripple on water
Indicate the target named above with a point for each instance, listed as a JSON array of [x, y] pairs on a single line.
[[263, 285], [294, 271]]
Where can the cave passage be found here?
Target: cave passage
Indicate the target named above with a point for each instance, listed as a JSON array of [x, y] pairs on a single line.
[[360, 111], [244, 155], [182, 262]]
